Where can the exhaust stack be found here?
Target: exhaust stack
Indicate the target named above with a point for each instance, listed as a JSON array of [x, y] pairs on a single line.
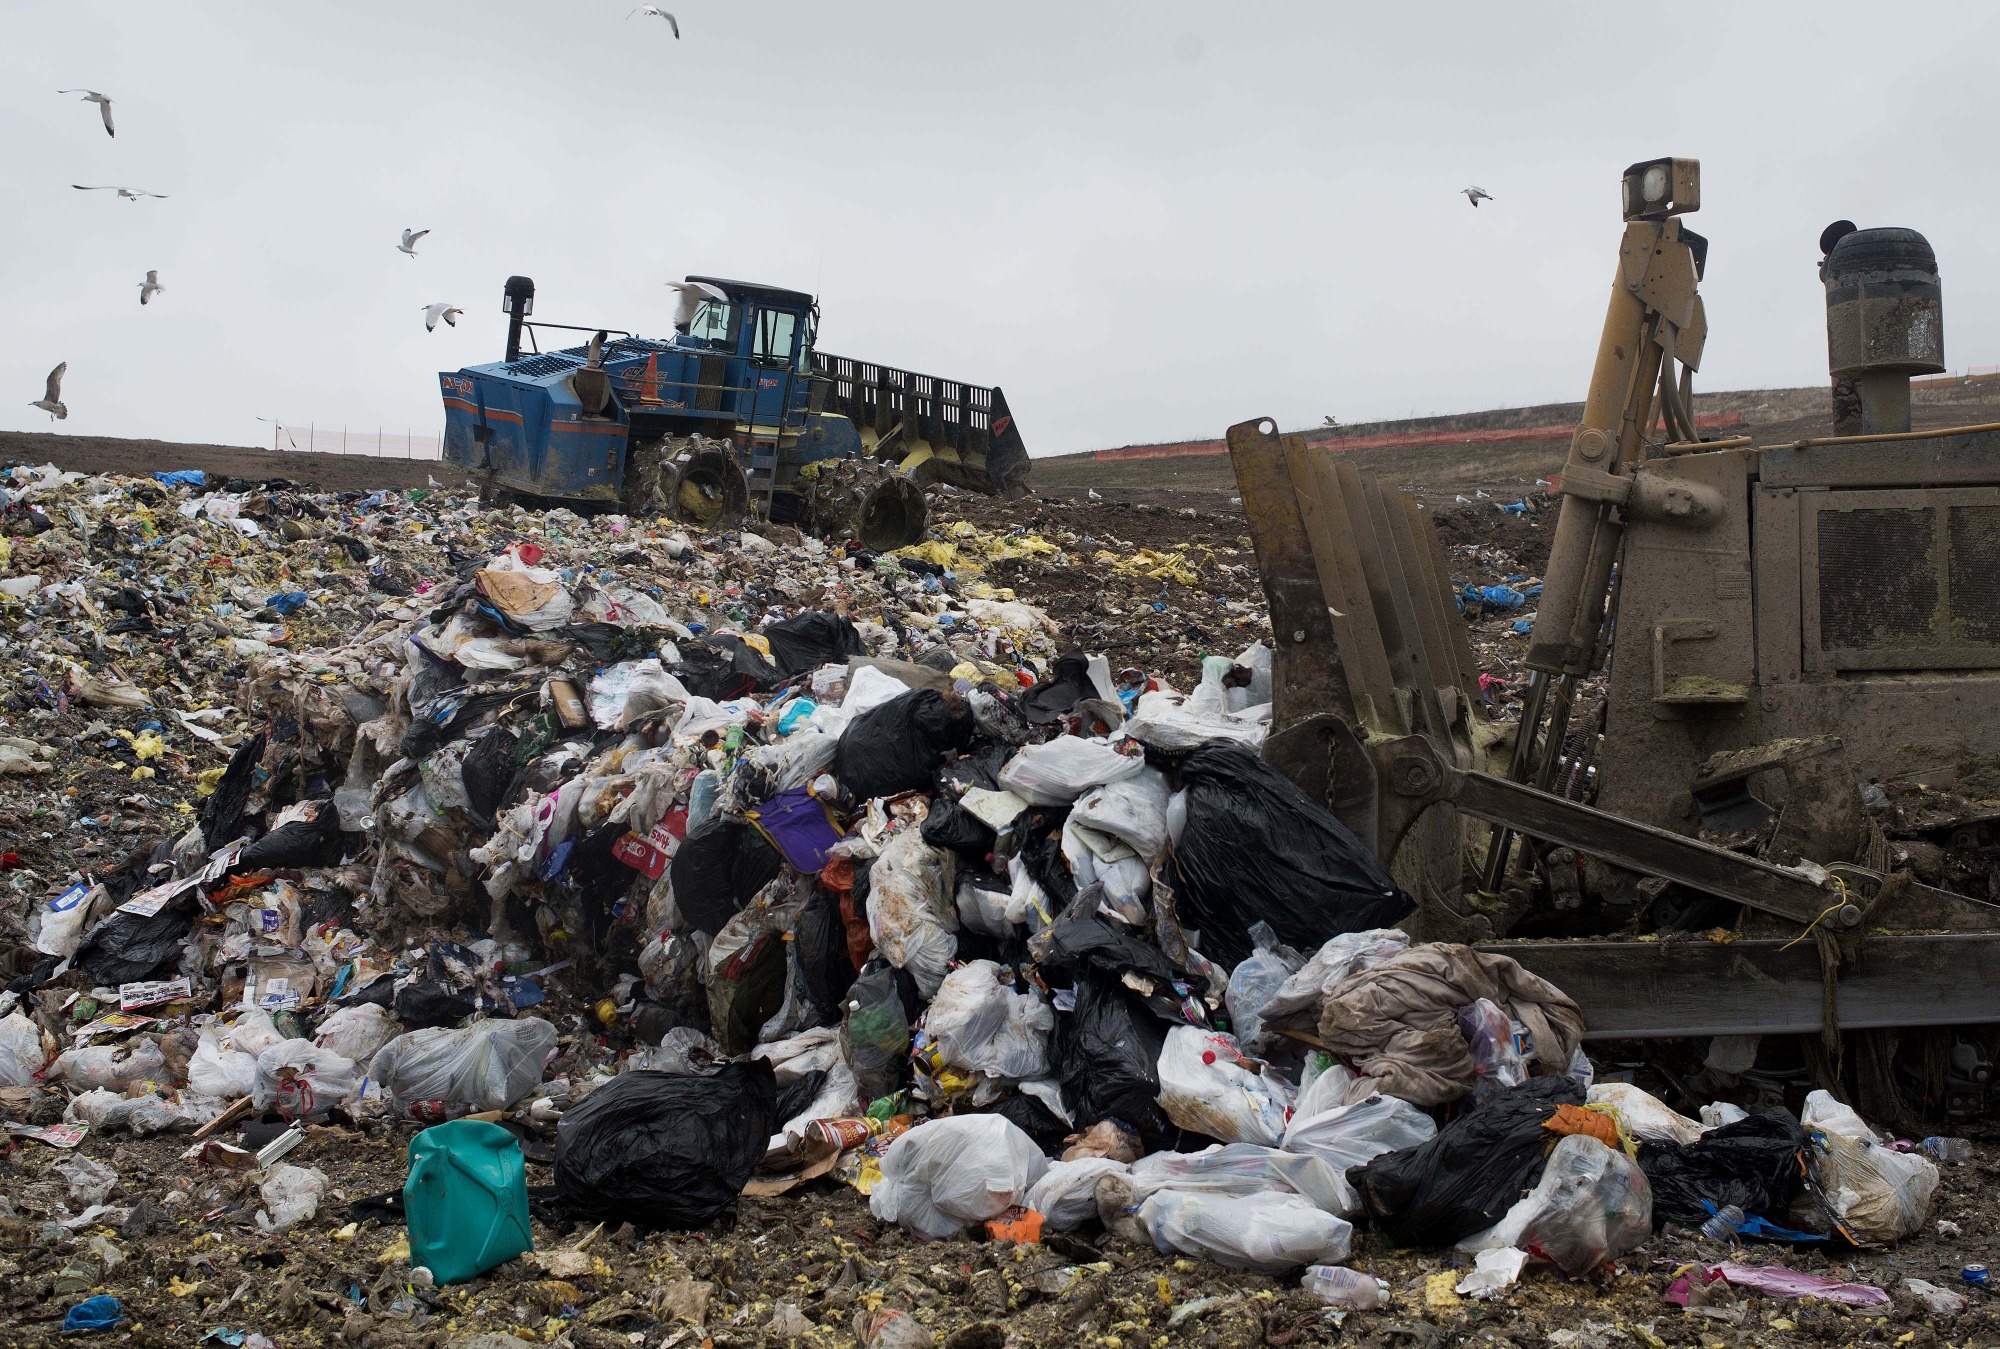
[[1884, 319], [517, 302]]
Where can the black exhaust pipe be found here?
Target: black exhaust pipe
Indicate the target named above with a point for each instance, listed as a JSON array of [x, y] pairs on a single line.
[[519, 302]]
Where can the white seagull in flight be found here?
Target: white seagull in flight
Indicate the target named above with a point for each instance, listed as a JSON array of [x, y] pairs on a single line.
[[655, 12], [409, 244], [692, 293], [128, 193], [150, 287], [103, 106], [434, 312], [1475, 195], [51, 400]]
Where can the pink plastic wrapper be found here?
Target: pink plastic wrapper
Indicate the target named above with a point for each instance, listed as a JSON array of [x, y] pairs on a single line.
[[1779, 1281]]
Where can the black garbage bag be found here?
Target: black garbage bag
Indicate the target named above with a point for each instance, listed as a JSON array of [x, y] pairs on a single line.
[[1464, 1180], [123, 948], [807, 641], [718, 869], [222, 814], [310, 840], [1034, 1119], [1256, 847], [820, 943], [796, 1095], [1106, 1054], [1081, 942], [1040, 830], [1757, 1164], [666, 1149], [956, 829], [896, 747], [486, 772], [1067, 685]]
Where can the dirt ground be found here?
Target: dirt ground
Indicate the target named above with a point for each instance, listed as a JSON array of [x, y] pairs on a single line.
[[796, 1269]]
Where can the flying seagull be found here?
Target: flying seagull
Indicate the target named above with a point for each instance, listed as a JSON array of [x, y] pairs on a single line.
[[103, 106], [1475, 195], [434, 312], [409, 244], [655, 12], [129, 193], [51, 400], [150, 287], [692, 293]]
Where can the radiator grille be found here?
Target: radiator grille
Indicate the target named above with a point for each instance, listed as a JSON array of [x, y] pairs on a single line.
[[1973, 572], [1878, 577]]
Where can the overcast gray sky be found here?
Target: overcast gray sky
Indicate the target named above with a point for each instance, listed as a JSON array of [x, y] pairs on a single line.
[[1144, 221]]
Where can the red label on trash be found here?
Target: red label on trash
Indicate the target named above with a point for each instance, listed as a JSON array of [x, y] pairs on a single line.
[[649, 855]]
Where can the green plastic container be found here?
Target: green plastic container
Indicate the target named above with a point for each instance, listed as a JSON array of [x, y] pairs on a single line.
[[466, 1201]]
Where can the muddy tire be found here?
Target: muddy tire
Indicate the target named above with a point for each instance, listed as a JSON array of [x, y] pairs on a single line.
[[696, 481], [867, 501]]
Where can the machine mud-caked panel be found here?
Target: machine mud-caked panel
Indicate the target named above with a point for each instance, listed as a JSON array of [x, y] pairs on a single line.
[[1903, 586]]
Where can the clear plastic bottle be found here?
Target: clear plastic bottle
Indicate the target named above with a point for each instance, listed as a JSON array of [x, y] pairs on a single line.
[[1339, 1286], [1953, 1151], [1724, 1224]]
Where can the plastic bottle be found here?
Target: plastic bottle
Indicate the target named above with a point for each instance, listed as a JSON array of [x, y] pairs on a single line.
[[1953, 1151], [1339, 1286], [1724, 1224]]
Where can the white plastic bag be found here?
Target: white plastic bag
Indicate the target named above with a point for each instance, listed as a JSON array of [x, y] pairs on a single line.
[[1299, 998], [1267, 1233], [21, 1053], [1252, 983], [63, 922], [1351, 1135], [215, 1069], [111, 1067], [291, 1195], [1132, 811], [982, 909], [1057, 772], [303, 1081], [1718, 1113], [357, 1032], [941, 1176], [1326, 1083], [253, 1031], [1878, 1195], [982, 1025], [1494, 1272], [1207, 1085], [1066, 1195], [488, 1065], [911, 914], [1591, 1205], [1644, 1115], [1245, 1168]]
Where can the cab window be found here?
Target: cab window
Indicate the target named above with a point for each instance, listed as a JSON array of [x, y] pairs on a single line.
[[714, 323], [775, 328]]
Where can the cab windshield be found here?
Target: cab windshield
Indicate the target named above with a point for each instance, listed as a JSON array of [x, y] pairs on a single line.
[[775, 330], [714, 321]]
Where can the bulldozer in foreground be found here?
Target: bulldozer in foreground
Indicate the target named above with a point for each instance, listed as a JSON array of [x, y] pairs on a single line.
[[1740, 639], [738, 413]]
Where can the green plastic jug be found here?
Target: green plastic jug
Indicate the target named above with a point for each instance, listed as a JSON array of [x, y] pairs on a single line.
[[466, 1201]]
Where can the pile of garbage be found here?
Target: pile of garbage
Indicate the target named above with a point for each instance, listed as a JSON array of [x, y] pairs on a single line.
[[703, 865]]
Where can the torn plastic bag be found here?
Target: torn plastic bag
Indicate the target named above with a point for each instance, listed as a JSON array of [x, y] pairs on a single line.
[[981, 1025], [1106, 1053], [300, 1080], [1464, 1180], [875, 1031], [1208, 1086], [941, 1177], [1246, 1168], [1645, 1116], [1756, 1163], [222, 813], [1066, 1195], [807, 641], [1354, 1135], [1057, 772], [1081, 942], [1031, 1113], [1297, 1001], [21, 1051], [820, 945], [1068, 684], [1489, 1038], [682, 1049], [749, 967], [61, 930], [358, 1032], [1256, 847], [1265, 1233], [1878, 1195], [486, 772], [719, 868], [488, 1065], [983, 903], [911, 913], [215, 1069], [1326, 1083], [1591, 1206], [898, 746], [125, 948], [666, 1150], [951, 827], [1252, 983]]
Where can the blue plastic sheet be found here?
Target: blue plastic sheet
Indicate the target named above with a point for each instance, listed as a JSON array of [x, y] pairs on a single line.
[[93, 1314], [184, 477], [287, 602]]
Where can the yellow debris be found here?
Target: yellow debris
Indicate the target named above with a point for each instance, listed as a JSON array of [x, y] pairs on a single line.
[[205, 781], [1441, 1292], [934, 551]]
